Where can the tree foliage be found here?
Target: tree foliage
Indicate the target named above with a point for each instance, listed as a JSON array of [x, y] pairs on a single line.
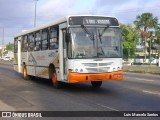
[[157, 41], [144, 22], [158, 32], [9, 47], [130, 38]]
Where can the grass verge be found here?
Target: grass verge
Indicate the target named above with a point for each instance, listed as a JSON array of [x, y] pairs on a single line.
[[141, 70]]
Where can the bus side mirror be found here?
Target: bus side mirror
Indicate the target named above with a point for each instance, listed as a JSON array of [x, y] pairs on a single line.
[[68, 37]]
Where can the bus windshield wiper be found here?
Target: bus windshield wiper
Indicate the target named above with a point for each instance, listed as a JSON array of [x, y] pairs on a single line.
[[100, 35], [91, 35]]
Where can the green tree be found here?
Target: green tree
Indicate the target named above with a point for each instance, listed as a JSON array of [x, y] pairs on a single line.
[[9, 47], [130, 38], [158, 41], [143, 22]]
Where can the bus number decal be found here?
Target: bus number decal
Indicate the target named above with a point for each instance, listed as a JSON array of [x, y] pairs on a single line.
[[40, 57]]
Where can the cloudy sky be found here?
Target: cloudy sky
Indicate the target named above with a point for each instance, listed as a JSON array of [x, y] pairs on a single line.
[[18, 15]]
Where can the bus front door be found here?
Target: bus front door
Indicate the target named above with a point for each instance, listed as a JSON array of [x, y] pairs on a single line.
[[63, 52]]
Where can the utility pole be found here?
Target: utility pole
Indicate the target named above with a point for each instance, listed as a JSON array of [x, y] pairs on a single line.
[[35, 12]]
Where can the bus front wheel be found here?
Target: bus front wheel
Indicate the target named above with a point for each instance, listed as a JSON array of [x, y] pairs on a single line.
[[96, 84], [25, 75], [56, 83]]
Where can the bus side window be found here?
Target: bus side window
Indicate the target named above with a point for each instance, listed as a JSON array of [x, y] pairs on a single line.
[[25, 43], [45, 39], [54, 38], [37, 41], [16, 45], [31, 42]]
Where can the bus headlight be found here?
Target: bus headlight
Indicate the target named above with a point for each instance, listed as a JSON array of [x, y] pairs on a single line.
[[81, 70], [76, 70]]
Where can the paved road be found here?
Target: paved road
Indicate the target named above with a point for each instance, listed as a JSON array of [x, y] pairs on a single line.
[[137, 92]]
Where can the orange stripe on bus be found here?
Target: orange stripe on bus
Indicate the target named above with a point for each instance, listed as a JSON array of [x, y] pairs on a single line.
[[84, 77]]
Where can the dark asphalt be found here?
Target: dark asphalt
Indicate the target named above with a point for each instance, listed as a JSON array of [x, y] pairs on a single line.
[[137, 92]]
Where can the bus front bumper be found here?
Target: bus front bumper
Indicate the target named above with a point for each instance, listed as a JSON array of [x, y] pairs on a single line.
[[88, 77]]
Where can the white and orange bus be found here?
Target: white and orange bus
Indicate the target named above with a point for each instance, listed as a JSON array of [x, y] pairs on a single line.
[[71, 50]]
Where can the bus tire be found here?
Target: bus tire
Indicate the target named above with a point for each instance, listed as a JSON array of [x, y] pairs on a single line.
[[25, 75], [55, 82], [96, 84]]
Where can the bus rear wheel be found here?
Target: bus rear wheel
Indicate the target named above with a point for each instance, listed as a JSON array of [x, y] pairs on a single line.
[[96, 84], [25, 75], [55, 82]]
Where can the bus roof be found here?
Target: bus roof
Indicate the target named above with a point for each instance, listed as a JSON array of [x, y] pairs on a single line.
[[55, 22], [42, 26]]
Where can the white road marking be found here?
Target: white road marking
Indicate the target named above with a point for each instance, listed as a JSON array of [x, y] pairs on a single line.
[[151, 92], [144, 80], [108, 107]]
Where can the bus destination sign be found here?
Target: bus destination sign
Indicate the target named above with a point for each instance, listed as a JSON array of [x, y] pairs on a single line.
[[87, 20]]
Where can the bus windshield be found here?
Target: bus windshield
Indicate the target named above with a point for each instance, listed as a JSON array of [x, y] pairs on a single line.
[[92, 42]]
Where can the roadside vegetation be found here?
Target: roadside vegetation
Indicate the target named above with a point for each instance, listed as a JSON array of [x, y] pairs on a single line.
[[145, 32], [141, 70]]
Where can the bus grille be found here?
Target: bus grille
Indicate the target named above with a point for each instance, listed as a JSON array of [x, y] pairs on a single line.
[[97, 67], [92, 70], [105, 64], [90, 64], [98, 70], [104, 69]]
